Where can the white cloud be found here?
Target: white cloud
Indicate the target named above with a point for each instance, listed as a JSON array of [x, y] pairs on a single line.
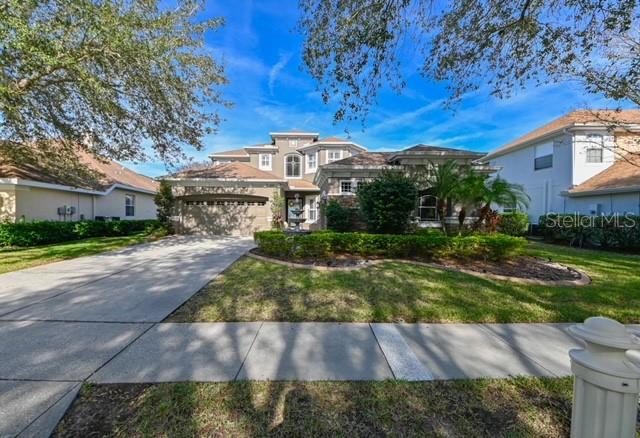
[[277, 69]]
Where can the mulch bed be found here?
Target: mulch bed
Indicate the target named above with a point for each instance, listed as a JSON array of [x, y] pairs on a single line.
[[520, 267]]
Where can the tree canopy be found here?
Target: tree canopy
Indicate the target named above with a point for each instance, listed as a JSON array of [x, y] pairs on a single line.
[[354, 47], [106, 76]]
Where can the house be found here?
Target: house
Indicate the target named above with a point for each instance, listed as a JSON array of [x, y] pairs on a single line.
[[236, 193], [582, 162], [107, 190]]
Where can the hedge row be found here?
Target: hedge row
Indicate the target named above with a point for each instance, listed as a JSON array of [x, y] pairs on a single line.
[[46, 232], [320, 245], [616, 231]]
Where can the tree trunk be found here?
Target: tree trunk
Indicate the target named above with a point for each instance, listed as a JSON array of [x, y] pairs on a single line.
[[442, 213], [462, 215], [484, 211]]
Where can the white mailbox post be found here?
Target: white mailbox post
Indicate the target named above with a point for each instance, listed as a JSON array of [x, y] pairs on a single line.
[[607, 382]]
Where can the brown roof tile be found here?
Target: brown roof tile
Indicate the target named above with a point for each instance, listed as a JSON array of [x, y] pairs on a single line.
[[227, 170], [232, 152], [624, 173], [365, 159], [99, 174], [300, 184], [574, 118]]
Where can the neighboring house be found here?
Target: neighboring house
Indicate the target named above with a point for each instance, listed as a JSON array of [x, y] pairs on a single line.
[[234, 194], [577, 163], [109, 190]]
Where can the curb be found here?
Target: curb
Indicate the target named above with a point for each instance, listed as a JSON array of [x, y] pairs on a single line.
[[582, 281]]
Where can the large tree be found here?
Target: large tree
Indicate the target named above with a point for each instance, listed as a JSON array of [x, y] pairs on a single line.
[[354, 47], [105, 76]]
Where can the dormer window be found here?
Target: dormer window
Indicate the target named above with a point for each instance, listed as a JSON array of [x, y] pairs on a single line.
[[334, 156], [265, 161], [595, 145], [312, 161]]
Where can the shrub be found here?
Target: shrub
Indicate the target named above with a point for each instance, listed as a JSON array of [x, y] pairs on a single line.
[[47, 232], [388, 203], [514, 224], [324, 244], [164, 203], [622, 232], [339, 217]]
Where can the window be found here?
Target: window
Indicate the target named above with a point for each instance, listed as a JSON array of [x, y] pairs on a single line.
[[543, 162], [312, 161], [293, 142], [129, 205], [427, 209], [347, 187], [313, 209], [265, 161], [334, 156], [292, 166], [594, 148], [594, 155]]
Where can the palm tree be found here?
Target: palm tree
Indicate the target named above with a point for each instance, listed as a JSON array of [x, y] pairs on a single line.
[[444, 181], [498, 191], [470, 193]]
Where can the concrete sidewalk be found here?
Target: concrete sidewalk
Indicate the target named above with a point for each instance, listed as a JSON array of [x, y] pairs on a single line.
[[100, 352]]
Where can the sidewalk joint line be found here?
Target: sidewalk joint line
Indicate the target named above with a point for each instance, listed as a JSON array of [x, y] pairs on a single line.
[[235, 378], [483, 326], [49, 408], [386, 359]]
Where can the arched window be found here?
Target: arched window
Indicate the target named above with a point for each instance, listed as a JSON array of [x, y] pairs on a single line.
[[292, 166], [427, 209]]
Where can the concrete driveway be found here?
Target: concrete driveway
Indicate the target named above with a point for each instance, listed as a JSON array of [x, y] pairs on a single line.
[[61, 322]]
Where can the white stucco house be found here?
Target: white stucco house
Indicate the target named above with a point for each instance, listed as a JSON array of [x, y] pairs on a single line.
[[582, 162], [30, 192]]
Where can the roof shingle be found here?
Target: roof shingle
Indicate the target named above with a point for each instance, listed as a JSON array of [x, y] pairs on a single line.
[[624, 173], [574, 118], [227, 170]]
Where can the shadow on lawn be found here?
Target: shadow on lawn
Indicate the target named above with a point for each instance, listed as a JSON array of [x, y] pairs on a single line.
[[257, 291], [492, 408]]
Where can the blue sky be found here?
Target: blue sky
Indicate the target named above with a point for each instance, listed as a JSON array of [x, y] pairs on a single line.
[[261, 52]]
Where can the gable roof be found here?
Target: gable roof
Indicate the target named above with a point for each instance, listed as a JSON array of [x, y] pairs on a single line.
[[576, 118], [231, 153], [425, 150], [98, 175], [621, 176], [232, 170]]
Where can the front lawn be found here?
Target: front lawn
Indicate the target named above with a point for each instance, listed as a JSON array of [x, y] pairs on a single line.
[[13, 259], [520, 407], [252, 290]]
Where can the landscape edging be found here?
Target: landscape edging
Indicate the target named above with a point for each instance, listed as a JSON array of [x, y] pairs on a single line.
[[582, 281]]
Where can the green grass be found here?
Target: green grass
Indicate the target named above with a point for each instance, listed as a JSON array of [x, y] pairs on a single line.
[[519, 407], [13, 259], [252, 290]]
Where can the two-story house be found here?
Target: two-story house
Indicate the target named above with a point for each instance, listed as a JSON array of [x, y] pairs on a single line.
[[236, 193], [583, 162]]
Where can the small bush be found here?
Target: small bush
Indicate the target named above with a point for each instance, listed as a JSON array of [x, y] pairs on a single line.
[[339, 217], [48, 232], [514, 224], [324, 244]]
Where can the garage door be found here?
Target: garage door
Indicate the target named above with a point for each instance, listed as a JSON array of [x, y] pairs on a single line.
[[223, 215]]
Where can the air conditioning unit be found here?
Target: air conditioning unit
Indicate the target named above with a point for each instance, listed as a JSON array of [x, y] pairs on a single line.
[[62, 211], [71, 211]]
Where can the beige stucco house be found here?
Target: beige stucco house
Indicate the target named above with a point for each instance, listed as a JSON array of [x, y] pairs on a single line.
[[29, 193], [235, 193]]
